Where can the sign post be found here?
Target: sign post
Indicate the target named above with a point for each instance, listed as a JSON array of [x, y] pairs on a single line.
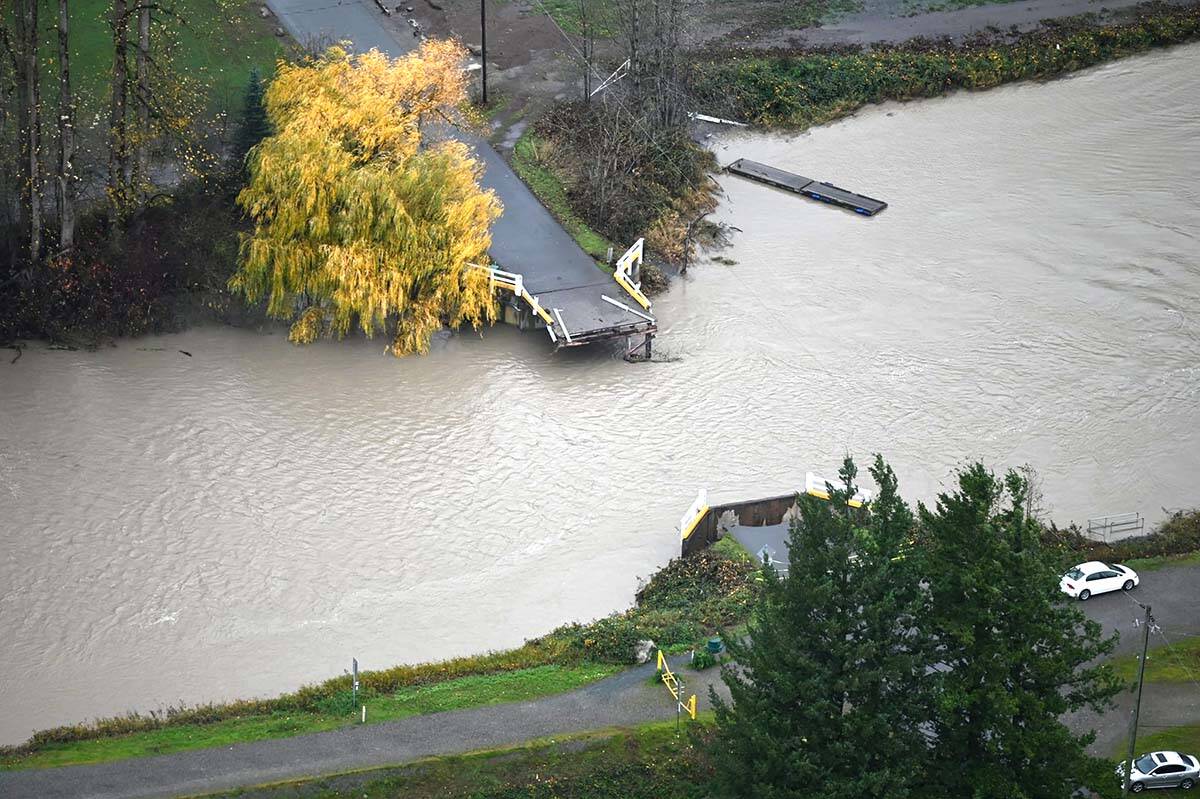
[[354, 684]]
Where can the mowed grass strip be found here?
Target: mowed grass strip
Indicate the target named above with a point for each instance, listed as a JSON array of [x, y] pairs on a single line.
[[1177, 662], [1163, 562], [465, 692], [539, 176], [1184, 739]]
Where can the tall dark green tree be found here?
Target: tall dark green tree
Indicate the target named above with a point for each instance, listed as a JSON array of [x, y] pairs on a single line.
[[254, 125], [827, 690], [1012, 655]]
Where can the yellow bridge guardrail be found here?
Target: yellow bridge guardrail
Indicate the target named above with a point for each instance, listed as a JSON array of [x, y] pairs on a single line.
[[689, 520], [816, 487], [624, 270], [672, 682]]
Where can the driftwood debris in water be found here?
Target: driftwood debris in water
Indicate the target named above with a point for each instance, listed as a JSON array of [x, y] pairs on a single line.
[[185, 352]]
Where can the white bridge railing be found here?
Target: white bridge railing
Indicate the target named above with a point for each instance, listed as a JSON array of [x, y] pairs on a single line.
[[516, 284]]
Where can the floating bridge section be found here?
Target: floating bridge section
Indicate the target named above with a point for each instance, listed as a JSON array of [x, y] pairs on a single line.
[[825, 192]]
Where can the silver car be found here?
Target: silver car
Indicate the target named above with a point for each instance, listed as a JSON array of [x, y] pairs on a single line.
[[1162, 770]]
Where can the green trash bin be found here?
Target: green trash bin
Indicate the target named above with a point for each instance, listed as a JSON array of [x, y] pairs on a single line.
[[714, 646]]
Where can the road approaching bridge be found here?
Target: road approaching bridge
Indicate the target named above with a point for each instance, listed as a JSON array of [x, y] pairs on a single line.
[[526, 240]]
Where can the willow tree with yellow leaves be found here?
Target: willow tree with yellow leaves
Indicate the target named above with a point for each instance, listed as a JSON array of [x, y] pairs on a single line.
[[361, 218]]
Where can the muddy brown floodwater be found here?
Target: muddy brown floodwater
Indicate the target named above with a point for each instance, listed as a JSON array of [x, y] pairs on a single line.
[[236, 523]]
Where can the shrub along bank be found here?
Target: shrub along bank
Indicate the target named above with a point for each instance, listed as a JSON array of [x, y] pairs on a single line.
[[683, 603], [1178, 537], [797, 88]]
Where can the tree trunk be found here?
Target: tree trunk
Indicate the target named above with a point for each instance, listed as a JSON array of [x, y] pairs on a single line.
[[118, 144], [28, 107], [66, 134], [141, 161], [589, 45]]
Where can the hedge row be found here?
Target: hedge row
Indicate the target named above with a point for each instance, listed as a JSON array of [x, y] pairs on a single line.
[[798, 89]]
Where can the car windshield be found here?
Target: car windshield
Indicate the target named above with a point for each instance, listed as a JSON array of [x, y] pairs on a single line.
[[1145, 764], [1075, 574], [1117, 569]]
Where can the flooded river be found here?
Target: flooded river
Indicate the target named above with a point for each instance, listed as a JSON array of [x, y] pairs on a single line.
[[238, 522]]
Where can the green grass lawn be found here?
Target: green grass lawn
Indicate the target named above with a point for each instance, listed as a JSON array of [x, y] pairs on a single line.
[[528, 163], [1179, 662], [1180, 739], [1163, 562], [457, 694], [216, 44]]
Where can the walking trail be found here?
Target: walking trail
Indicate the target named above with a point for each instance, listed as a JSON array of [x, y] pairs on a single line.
[[625, 699]]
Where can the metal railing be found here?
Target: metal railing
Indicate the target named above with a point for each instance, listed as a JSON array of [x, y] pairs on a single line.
[[1117, 525], [516, 284], [675, 687]]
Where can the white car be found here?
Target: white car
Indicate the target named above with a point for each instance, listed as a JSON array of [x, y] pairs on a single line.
[[1162, 770], [1095, 577]]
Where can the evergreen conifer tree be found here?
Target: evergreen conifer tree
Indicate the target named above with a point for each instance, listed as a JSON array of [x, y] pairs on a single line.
[[827, 695], [1012, 656], [254, 125]]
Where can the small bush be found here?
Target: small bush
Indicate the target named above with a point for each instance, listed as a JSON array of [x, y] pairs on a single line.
[[342, 703], [704, 660]]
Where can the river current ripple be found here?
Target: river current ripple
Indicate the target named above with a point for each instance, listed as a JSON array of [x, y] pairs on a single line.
[[182, 529]]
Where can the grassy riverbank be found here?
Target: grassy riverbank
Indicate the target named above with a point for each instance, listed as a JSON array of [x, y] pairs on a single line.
[[797, 88], [682, 604], [336, 711], [534, 165]]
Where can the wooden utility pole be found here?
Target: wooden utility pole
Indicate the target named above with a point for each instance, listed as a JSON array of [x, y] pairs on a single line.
[[66, 134], [1137, 705]]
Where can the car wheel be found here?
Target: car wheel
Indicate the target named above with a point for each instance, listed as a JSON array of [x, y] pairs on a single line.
[[1128, 586], [1137, 787], [1085, 595], [1187, 785]]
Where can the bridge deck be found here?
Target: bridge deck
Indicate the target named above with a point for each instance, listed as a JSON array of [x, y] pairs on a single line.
[[825, 192], [526, 239]]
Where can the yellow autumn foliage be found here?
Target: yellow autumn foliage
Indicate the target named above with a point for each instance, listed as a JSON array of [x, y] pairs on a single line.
[[359, 217]]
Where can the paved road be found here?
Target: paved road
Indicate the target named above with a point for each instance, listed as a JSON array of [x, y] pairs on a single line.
[[527, 238]]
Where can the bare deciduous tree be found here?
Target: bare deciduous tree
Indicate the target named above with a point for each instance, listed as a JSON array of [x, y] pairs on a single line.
[[28, 79], [65, 179], [118, 135]]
